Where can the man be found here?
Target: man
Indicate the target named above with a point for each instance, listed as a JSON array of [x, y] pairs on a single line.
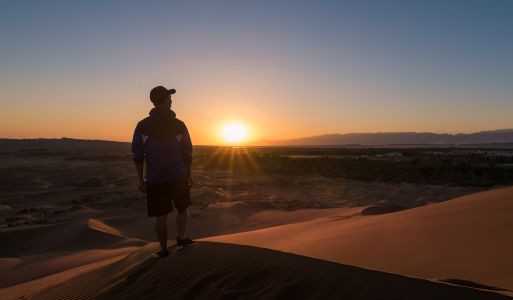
[[163, 142]]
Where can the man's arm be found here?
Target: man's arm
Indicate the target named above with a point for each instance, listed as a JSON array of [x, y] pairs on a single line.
[[189, 175], [186, 147], [142, 183], [138, 157], [139, 167]]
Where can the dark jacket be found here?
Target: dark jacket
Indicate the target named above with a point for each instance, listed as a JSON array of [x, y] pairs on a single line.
[[162, 141]]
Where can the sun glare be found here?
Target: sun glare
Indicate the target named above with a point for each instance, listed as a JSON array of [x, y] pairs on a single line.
[[234, 133]]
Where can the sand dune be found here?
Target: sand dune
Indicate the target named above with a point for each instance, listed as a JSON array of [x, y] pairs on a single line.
[[224, 271], [222, 218], [34, 253], [465, 238], [39, 266], [26, 289], [74, 236], [4, 208]]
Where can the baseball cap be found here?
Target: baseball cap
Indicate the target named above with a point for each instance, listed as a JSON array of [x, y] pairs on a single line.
[[159, 93]]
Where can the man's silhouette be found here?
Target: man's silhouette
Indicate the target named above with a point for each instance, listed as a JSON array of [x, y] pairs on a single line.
[[163, 142]]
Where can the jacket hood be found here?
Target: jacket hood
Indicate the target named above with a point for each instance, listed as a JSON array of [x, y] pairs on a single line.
[[161, 112]]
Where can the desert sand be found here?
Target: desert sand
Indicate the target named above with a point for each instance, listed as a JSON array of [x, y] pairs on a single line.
[[76, 229], [215, 270], [465, 238]]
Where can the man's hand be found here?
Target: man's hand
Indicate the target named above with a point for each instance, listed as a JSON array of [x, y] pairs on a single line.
[[142, 186], [190, 182], [142, 183]]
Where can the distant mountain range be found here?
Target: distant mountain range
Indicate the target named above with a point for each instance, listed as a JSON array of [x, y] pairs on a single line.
[[500, 138], [400, 138]]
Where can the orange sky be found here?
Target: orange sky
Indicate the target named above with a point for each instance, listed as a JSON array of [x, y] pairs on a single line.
[[114, 115], [271, 110]]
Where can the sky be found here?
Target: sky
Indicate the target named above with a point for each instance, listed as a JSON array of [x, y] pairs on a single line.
[[283, 69]]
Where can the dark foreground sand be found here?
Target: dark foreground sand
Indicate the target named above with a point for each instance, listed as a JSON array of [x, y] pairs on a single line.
[[224, 271]]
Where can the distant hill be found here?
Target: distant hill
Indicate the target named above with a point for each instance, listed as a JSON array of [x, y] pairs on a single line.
[[62, 144], [495, 138], [401, 138]]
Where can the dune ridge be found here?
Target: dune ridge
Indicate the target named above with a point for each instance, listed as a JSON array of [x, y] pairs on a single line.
[[225, 271]]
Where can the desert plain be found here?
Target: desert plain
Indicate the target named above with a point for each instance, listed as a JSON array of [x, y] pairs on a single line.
[[74, 226]]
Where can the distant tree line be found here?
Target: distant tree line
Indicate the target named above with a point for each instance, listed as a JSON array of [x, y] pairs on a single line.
[[420, 165]]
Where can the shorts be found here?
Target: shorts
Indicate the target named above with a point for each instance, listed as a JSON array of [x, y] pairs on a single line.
[[162, 195]]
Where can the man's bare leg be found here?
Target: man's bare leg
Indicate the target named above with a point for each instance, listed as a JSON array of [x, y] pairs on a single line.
[[161, 230], [181, 223]]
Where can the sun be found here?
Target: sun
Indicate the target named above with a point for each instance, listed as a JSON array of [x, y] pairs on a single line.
[[234, 133]]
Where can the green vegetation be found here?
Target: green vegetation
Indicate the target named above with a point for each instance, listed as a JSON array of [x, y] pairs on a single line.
[[450, 166]]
